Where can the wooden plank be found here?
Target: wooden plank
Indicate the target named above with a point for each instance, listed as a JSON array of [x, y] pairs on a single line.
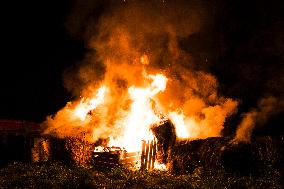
[[129, 161], [147, 154], [128, 154], [106, 164], [107, 160], [143, 155], [150, 155], [154, 153], [133, 158], [105, 155]]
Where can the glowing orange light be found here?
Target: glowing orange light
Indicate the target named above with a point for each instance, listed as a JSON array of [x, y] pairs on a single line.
[[86, 105]]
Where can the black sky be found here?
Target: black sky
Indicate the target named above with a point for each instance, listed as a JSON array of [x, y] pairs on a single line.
[[244, 46], [36, 51]]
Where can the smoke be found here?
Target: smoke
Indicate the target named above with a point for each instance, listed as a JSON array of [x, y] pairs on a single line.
[[267, 107], [126, 41]]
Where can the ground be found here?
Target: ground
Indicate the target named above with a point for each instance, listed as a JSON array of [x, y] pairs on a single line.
[[59, 175]]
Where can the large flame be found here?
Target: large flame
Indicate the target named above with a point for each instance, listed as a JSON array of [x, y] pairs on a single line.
[[136, 74], [141, 115], [86, 105], [125, 114]]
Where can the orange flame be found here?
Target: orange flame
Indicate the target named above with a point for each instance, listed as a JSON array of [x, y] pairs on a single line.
[[141, 115], [86, 105], [124, 109]]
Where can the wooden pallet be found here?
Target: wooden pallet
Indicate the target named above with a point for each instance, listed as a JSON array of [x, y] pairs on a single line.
[[148, 154], [145, 160], [109, 159]]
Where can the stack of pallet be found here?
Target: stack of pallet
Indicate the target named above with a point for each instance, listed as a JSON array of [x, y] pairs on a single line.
[[110, 157]]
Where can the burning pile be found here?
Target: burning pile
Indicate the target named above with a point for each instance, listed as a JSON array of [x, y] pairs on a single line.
[[125, 118], [137, 76]]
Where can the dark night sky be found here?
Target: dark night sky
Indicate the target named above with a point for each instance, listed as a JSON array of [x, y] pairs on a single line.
[[37, 49], [245, 45]]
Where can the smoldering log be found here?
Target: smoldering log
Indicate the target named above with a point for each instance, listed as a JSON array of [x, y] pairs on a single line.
[[216, 153]]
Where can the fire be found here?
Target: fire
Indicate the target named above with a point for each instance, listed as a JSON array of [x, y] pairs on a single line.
[[144, 59], [141, 115], [86, 105], [129, 122], [186, 127], [178, 121], [160, 166], [133, 126], [141, 76], [127, 103]]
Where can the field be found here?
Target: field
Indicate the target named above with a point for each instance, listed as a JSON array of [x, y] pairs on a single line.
[[59, 175]]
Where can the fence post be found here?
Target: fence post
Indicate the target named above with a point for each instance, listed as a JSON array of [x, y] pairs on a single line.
[[143, 155], [154, 153], [147, 155], [150, 154]]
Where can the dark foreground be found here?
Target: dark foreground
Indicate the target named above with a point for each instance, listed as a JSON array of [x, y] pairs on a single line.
[[58, 175]]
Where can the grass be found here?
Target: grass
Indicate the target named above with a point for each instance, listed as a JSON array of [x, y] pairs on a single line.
[[58, 175], [42, 175]]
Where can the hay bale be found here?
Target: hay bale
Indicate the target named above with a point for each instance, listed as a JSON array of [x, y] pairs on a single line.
[[58, 150], [238, 158], [188, 155], [218, 153]]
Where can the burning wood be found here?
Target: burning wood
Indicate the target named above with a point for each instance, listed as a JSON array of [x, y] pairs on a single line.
[[124, 109], [116, 156], [109, 157]]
